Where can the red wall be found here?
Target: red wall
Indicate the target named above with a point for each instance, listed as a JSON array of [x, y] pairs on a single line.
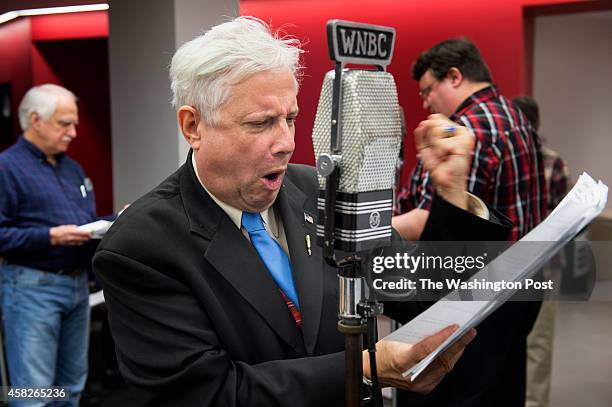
[[91, 24], [497, 27], [82, 66], [70, 50], [15, 68]]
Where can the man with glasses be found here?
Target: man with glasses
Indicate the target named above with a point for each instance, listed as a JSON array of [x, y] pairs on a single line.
[[507, 169], [506, 173]]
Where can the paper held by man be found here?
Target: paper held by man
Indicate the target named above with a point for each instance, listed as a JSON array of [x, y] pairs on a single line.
[[97, 229], [582, 204]]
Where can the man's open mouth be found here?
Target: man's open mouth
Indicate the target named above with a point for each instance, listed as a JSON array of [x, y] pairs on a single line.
[[273, 179], [272, 176]]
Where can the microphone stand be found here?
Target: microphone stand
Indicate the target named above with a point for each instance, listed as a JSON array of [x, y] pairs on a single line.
[[357, 316]]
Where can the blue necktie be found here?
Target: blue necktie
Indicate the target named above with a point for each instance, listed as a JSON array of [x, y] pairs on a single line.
[[271, 253]]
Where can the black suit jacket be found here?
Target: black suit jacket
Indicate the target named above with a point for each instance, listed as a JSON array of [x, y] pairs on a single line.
[[198, 320]]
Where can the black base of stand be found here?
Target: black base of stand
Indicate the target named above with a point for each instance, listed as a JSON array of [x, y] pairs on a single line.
[[353, 339]]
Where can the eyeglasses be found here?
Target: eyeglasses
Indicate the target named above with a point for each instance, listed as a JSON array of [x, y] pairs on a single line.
[[424, 93]]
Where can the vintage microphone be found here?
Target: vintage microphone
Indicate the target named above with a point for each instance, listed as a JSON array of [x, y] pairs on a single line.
[[356, 138]]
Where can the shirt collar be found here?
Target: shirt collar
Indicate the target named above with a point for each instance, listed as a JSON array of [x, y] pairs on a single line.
[[480, 96], [37, 152], [235, 214]]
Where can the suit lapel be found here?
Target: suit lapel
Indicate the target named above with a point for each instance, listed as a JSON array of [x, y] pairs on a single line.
[[306, 268], [233, 256], [249, 276]]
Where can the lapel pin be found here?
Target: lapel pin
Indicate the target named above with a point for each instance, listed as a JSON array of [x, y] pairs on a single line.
[[308, 218], [308, 247]]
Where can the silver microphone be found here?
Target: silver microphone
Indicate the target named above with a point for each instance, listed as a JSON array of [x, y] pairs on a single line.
[[356, 137], [370, 134]]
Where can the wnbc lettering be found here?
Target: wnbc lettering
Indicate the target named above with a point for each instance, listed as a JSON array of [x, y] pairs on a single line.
[[363, 43]]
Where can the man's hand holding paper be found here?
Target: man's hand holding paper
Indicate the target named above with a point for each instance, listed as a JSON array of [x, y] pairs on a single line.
[[68, 235], [394, 358]]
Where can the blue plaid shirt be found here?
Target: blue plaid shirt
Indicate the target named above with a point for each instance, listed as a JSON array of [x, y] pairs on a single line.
[[35, 196]]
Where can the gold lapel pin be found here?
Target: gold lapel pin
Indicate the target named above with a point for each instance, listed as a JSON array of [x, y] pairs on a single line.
[[308, 247]]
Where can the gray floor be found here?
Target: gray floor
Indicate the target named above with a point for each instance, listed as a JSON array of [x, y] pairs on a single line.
[[582, 358]]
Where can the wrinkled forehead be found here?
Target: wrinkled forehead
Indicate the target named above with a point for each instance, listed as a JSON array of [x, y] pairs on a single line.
[[270, 76], [267, 90], [66, 109], [65, 103]]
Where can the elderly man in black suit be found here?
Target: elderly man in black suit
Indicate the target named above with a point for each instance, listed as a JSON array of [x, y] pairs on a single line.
[[200, 313]]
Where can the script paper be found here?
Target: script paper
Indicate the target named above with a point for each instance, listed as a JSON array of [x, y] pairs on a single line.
[[580, 206], [97, 229]]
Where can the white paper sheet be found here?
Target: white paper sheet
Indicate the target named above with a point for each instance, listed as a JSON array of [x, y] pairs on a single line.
[[580, 206], [97, 229]]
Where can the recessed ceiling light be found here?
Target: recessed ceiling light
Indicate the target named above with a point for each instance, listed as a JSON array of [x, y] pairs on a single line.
[[51, 10]]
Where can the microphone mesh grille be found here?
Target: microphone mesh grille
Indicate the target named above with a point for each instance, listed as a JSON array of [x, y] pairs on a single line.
[[371, 129]]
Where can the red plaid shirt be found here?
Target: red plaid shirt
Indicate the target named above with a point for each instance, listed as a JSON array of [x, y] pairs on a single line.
[[507, 169]]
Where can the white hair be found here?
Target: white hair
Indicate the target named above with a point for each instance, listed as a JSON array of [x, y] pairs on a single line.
[[42, 100], [204, 69]]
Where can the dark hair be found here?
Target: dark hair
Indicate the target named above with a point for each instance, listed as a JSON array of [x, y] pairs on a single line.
[[530, 108], [460, 53]]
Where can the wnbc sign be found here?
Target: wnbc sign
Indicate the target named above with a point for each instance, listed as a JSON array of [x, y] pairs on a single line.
[[359, 43]]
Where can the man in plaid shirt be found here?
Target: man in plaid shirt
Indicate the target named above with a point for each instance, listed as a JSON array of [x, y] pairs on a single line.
[[507, 173], [507, 170]]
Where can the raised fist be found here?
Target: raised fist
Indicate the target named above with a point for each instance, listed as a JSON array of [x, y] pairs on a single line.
[[445, 149]]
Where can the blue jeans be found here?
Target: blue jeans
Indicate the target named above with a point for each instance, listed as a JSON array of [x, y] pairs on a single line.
[[46, 329]]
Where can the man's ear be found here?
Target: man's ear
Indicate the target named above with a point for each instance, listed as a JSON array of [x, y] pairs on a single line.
[[34, 120], [188, 119], [455, 77]]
